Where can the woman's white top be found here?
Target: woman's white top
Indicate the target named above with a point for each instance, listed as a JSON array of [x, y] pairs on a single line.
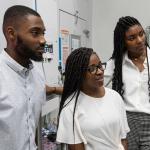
[[136, 94], [100, 123]]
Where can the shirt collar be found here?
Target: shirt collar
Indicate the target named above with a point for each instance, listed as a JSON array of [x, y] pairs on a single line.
[[15, 65], [126, 58]]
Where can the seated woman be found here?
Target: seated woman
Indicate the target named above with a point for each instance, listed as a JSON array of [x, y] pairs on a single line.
[[91, 117]]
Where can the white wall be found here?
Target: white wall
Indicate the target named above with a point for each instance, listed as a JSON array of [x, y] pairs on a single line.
[[67, 21], [105, 16], [48, 11], [73, 5]]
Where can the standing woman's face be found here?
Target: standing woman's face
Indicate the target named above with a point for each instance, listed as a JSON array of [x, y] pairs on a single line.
[[135, 40]]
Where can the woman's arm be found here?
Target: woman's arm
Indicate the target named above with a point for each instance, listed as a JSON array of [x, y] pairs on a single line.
[[76, 146], [124, 143]]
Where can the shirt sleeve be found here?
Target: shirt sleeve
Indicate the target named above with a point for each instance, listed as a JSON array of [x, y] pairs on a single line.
[[124, 124], [66, 133]]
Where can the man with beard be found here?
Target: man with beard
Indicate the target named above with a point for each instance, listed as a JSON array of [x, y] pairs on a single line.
[[22, 87]]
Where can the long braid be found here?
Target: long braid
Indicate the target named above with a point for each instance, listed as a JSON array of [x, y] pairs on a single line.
[[148, 73], [74, 76], [122, 26]]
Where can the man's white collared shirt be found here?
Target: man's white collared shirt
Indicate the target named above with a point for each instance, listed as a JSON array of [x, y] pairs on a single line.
[[22, 93]]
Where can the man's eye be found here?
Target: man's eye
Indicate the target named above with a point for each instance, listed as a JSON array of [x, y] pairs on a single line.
[[35, 33]]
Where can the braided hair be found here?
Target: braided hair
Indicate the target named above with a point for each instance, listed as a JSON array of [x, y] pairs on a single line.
[[75, 72], [122, 26]]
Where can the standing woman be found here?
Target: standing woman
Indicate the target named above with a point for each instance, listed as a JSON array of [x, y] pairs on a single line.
[[129, 70], [91, 117]]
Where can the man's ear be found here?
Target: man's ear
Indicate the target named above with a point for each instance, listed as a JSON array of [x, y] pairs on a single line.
[[11, 33]]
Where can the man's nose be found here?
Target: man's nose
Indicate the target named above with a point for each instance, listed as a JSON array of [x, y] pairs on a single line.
[[42, 40]]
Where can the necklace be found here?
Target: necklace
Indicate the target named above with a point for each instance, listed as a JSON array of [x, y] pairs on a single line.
[[141, 58]]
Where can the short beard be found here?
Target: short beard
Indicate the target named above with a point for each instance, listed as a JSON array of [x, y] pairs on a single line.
[[25, 52]]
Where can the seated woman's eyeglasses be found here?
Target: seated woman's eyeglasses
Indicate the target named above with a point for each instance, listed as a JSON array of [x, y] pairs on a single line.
[[94, 68]]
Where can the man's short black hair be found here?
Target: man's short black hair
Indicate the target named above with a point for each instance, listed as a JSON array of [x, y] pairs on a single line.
[[15, 13]]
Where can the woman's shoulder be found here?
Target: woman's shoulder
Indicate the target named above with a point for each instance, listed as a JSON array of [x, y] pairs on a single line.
[[111, 91], [114, 98], [113, 94]]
